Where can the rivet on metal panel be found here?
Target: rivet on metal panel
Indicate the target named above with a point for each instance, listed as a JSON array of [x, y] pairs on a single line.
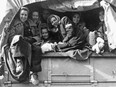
[[94, 83], [8, 83], [47, 83], [65, 74]]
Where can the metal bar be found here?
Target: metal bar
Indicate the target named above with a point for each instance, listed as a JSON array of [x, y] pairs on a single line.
[[70, 75], [71, 84], [103, 57], [49, 69], [69, 57], [16, 82]]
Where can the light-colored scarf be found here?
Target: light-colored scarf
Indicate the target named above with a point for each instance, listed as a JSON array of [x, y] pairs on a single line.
[[110, 22]]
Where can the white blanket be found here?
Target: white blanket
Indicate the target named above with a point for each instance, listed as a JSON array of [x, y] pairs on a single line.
[[110, 22]]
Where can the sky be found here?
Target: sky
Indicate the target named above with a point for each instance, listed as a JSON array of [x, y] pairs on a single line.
[[2, 9]]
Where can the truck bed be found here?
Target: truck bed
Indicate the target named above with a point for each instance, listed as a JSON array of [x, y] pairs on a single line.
[[59, 70]]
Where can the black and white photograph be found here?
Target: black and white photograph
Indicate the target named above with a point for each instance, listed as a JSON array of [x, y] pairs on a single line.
[[58, 43]]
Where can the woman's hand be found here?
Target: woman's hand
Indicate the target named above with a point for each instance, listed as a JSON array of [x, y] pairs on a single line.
[[37, 43], [6, 29]]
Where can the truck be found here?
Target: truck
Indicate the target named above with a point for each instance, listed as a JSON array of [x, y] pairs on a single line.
[[58, 69]]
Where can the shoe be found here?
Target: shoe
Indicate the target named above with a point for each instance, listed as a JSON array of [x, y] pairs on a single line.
[[34, 79], [19, 65]]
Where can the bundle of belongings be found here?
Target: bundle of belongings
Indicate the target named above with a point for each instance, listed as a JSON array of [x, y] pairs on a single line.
[[19, 51], [107, 39]]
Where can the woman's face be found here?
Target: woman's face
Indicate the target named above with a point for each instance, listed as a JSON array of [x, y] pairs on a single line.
[[76, 18], [45, 34], [35, 16], [54, 21], [23, 15], [101, 16], [46, 14]]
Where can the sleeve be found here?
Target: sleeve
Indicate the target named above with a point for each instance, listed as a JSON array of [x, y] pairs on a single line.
[[4, 36], [68, 36], [99, 32], [64, 22], [82, 25]]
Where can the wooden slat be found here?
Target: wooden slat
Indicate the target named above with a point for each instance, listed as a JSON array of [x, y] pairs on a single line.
[[64, 55]]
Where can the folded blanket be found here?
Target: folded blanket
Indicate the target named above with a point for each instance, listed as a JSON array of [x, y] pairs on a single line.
[[78, 54], [19, 49]]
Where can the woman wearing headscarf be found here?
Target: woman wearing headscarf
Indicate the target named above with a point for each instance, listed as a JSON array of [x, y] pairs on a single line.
[[54, 28], [72, 37], [58, 25]]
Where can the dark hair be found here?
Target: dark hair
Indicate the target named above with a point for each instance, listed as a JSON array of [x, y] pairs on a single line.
[[76, 13], [35, 11], [81, 19], [24, 8], [101, 11], [46, 10], [44, 26]]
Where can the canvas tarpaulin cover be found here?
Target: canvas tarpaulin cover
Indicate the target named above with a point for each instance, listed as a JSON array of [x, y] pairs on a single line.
[[12, 6]]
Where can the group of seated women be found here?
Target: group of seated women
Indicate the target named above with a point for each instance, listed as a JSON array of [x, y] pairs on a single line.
[[53, 34]]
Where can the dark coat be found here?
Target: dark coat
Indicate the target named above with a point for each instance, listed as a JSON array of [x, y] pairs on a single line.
[[76, 39], [55, 36], [101, 31]]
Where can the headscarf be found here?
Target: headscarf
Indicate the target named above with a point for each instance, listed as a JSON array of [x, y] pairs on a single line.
[[51, 16]]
